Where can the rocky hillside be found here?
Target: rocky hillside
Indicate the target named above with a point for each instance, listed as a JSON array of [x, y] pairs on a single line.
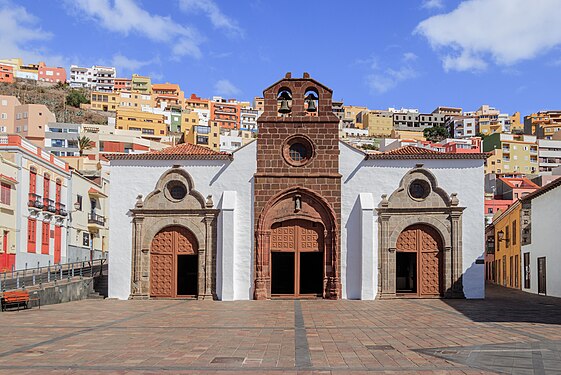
[[54, 97]]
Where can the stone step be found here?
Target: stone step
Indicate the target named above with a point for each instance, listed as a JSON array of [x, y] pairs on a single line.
[[95, 296]]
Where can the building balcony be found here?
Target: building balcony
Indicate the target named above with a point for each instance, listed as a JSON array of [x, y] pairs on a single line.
[[95, 220], [49, 205], [61, 209], [35, 201]]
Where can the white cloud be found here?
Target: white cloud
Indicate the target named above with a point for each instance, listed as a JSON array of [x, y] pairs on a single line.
[[500, 31], [20, 33], [126, 64], [126, 17], [382, 81], [409, 56], [218, 19], [432, 4], [226, 88]]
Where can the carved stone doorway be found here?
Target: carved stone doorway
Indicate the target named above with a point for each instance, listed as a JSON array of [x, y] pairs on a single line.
[[174, 263], [419, 268], [297, 259]]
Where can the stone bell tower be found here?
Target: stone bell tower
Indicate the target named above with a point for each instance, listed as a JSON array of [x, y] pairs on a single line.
[[297, 190]]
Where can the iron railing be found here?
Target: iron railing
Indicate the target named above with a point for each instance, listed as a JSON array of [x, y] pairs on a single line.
[[49, 205], [35, 201], [51, 274], [94, 218], [61, 209]]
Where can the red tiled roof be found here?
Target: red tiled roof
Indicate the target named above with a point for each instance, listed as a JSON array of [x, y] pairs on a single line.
[[412, 152], [180, 152], [524, 182], [544, 189]]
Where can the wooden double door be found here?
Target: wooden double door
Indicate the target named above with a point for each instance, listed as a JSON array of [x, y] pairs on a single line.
[[174, 264], [297, 259], [419, 266]]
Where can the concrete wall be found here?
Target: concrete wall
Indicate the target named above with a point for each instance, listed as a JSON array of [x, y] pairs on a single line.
[[379, 177], [545, 219], [211, 177]]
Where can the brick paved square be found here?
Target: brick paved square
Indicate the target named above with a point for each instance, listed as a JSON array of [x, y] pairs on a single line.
[[509, 332]]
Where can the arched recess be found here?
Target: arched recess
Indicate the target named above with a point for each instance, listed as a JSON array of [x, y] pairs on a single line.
[[310, 212], [174, 202], [419, 200]]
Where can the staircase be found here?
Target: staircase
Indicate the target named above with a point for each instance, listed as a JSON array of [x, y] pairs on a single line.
[[100, 287]]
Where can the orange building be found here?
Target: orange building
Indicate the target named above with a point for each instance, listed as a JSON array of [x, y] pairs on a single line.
[[122, 84], [225, 114], [6, 73], [169, 93], [51, 74]]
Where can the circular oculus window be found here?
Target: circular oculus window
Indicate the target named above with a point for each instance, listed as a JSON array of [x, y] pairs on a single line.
[[298, 151], [177, 191], [419, 189]]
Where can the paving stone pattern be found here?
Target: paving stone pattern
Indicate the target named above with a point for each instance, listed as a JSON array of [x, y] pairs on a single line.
[[509, 332]]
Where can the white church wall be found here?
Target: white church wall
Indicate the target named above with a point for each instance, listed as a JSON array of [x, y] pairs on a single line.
[[129, 178], [462, 176]]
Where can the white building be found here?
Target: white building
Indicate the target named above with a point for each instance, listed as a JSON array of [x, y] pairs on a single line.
[[248, 119], [549, 154], [541, 215], [96, 78], [296, 213]]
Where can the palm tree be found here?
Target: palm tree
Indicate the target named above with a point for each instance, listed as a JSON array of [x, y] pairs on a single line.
[[84, 143]]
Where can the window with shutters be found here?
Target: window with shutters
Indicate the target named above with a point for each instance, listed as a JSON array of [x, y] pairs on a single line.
[[5, 195], [31, 235], [32, 182], [45, 238]]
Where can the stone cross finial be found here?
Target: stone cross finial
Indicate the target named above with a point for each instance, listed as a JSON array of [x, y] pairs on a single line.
[[209, 203], [385, 202], [139, 202]]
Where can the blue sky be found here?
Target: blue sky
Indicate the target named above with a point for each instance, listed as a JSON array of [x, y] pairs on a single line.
[[385, 53]]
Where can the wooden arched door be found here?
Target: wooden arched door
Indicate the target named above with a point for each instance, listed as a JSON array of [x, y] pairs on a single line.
[[419, 268], [174, 263], [297, 259]]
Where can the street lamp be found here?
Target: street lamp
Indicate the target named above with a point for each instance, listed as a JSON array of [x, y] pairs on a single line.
[[501, 235]]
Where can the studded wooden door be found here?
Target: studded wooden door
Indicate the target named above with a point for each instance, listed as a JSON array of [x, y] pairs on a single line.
[[165, 247], [301, 237], [425, 241]]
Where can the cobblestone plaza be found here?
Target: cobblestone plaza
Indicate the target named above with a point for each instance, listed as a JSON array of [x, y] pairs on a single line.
[[509, 332]]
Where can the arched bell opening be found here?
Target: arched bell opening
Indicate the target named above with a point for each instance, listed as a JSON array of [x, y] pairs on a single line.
[[311, 101], [284, 102]]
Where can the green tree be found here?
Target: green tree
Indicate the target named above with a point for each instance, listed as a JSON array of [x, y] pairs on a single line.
[[84, 143], [436, 133], [75, 98]]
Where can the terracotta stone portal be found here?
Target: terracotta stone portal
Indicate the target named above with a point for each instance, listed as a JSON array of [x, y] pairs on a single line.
[[298, 179]]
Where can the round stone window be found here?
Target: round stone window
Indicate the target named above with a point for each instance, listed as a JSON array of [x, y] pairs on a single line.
[[419, 189], [298, 151], [177, 191]]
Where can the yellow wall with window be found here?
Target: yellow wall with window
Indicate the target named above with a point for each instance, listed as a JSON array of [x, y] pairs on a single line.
[[507, 250]]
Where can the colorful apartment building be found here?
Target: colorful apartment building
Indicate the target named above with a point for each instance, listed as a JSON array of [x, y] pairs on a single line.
[[151, 125], [134, 100], [543, 124], [206, 136], [511, 153], [96, 78], [6, 73], [41, 212], [549, 153], [142, 84], [167, 94], [122, 84], [225, 114], [104, 101], [506, 263], [200, 106], [51, 74], [353, 116], [27, 120], [378, 123]]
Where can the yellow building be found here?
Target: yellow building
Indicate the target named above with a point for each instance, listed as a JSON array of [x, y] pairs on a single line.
[[408, 134], [378, 123], [141, 84], [189, 118], [168, 93], [354, 113], [515, 123], [134, 100], [507, 246], [207, 136], [511, 153], [151, 125], [543, 124], [104, 101]]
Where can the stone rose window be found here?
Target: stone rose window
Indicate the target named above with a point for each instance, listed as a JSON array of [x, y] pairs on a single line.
[[419, 189], [175, 191], [298, 151]]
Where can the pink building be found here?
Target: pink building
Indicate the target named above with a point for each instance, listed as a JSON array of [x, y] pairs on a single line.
[[6, 73], [51, 74]]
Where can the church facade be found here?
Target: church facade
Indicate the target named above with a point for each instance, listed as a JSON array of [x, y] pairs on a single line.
[[296, 213]]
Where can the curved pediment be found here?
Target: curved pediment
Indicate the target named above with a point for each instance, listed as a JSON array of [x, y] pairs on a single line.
[[418, 189], [174, 190]]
